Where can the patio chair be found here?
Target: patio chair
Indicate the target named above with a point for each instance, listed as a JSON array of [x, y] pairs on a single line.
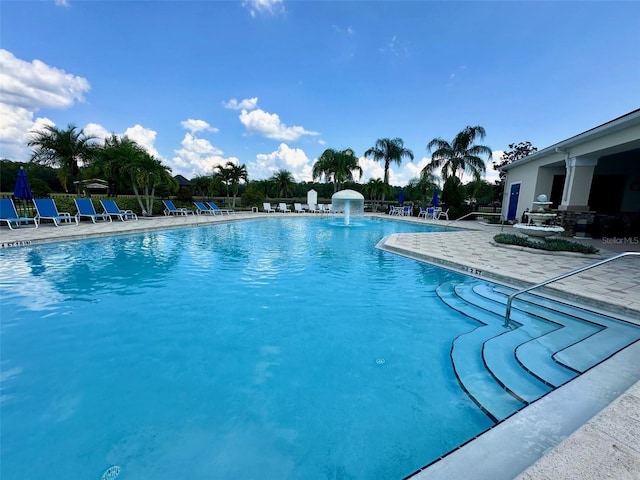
[[444, 214], [111, 208], [407, 211], [171, 209], [203, 209], [282, 207], [9, 214], [422, 213], [297, 207], [47, 210], [313, 208], [219, 210], [268, 208], [86, 209]]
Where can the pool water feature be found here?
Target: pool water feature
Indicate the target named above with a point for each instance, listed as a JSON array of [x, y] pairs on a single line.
[[286, 348]]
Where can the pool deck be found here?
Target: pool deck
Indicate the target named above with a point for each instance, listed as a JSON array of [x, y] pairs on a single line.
[[587, 429]]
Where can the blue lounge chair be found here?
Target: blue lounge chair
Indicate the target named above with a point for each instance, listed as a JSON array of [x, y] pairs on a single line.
[[217, 209], [111, 208], [202, 208], [86, 209], [9, 214], [171, 209], [47, 210]]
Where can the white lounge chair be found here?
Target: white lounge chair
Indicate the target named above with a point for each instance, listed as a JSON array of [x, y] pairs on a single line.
[[282, 207], [268, 208], [298, 208]]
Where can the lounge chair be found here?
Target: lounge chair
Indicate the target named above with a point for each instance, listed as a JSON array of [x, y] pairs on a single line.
[[298, 208], [47, 210], [86, 209], [282, 207], [268, 208], [171, 209], [9, 214], [219, 210], [202, 208], [313, 208], [111, 208]]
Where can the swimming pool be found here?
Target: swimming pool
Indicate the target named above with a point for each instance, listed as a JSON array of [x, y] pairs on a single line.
[[262, 349]]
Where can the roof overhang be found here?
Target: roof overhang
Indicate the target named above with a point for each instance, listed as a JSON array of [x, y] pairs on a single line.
[[625, 121]]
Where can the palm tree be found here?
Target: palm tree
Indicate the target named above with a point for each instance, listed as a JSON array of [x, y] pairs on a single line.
[[337, 167], [222, 174], [62, 149], [283, 182], [425, 186], [146, 173], [375, 188], [389, 150], [202, 184], [237, 174], [461, 155], [110, 160]]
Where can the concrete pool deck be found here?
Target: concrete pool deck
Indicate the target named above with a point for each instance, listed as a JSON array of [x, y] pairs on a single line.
[[600, 409]]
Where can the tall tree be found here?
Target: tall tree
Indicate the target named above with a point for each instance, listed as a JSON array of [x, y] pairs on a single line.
[[389, 150], [425, 186], [111, 159], [283, 182], [376, 189], [460, 156], [237, 175], [63, 149], [337, 167], [516, 152], [146, 174]]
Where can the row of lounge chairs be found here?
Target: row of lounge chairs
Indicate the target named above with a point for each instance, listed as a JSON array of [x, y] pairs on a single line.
[[46, 209], [202, 208], [298, 208]]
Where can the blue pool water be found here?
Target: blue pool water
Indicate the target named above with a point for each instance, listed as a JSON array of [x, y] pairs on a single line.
[[287, 348]]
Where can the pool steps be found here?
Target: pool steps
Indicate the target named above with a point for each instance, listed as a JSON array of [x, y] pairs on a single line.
[[549, 343]]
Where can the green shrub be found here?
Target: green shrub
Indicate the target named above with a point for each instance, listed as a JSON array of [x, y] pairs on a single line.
[[552, 244]]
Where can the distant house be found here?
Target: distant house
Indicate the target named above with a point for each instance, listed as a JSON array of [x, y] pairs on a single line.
[[182, 181], [592, 178]]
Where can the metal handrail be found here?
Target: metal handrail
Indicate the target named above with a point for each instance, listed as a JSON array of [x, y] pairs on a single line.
[[477, 213], [507, 316]]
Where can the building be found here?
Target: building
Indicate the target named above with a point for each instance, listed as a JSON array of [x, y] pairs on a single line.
[[592, 180]]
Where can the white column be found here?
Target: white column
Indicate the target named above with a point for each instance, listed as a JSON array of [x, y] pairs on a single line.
[[577, 183]]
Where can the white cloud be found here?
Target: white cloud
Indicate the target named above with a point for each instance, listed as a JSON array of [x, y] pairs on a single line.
[[197, 157], [256, 7], [246, 104], [25, 88], [270, 126], [62, 3], [198, 126], [144, 137], [97, 131], [294, 160]]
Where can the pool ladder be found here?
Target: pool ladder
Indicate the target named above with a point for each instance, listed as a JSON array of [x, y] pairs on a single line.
[[507, 316]]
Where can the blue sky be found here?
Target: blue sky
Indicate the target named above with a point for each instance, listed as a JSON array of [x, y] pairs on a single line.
[[272, 84]]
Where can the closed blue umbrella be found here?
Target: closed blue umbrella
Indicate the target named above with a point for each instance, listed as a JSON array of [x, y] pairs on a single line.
[[22, 190], [401, 197], [435, 201]]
